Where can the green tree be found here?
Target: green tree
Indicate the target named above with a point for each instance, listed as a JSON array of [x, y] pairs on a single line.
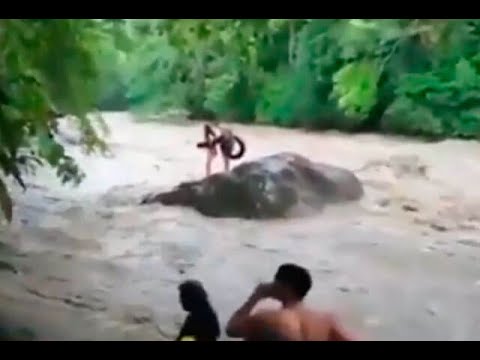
[[46, 67], [350, 74]]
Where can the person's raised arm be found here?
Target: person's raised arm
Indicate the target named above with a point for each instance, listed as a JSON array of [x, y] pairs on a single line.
[[242, 322]]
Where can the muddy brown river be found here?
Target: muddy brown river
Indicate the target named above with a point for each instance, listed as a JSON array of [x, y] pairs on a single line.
[[88, 263]]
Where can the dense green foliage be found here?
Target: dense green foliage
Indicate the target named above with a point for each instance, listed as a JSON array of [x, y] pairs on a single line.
[[417, 77], [46, 66], [410, 76]]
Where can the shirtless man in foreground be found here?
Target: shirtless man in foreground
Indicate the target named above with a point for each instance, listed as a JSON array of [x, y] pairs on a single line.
[[293, 322]]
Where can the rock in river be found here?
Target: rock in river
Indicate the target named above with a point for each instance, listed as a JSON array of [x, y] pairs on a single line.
[[284, 184]]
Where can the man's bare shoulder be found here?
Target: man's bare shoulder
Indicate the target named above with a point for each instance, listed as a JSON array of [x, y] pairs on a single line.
[[277, 317], [316, 314], [266, 314], [316, 325], [327, 324], [276, 324]]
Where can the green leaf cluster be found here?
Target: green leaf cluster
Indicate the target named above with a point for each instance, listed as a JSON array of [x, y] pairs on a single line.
[[46, 67]]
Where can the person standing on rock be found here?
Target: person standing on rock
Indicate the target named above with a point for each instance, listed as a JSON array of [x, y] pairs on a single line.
[[225, 141], [294, 321], [201, 323]]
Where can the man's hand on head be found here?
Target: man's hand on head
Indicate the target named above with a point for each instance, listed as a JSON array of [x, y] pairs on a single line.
[[263, 291]]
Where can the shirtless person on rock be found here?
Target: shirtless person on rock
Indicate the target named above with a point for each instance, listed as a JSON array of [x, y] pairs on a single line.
[[294, 321]]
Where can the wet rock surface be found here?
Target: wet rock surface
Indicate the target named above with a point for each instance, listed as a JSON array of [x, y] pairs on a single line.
[[274, 186], [88, 263]]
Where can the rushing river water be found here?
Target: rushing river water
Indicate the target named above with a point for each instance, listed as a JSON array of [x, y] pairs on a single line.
[[89, 263]]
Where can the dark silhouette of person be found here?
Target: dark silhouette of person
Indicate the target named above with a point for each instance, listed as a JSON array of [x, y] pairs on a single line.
[[294, 321], [201, 323]]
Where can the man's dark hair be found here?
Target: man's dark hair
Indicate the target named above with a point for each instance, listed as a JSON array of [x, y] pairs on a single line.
[[296, 278]]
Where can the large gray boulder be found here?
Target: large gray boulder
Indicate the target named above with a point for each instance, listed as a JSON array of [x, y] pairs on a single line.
[[279, 185]]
